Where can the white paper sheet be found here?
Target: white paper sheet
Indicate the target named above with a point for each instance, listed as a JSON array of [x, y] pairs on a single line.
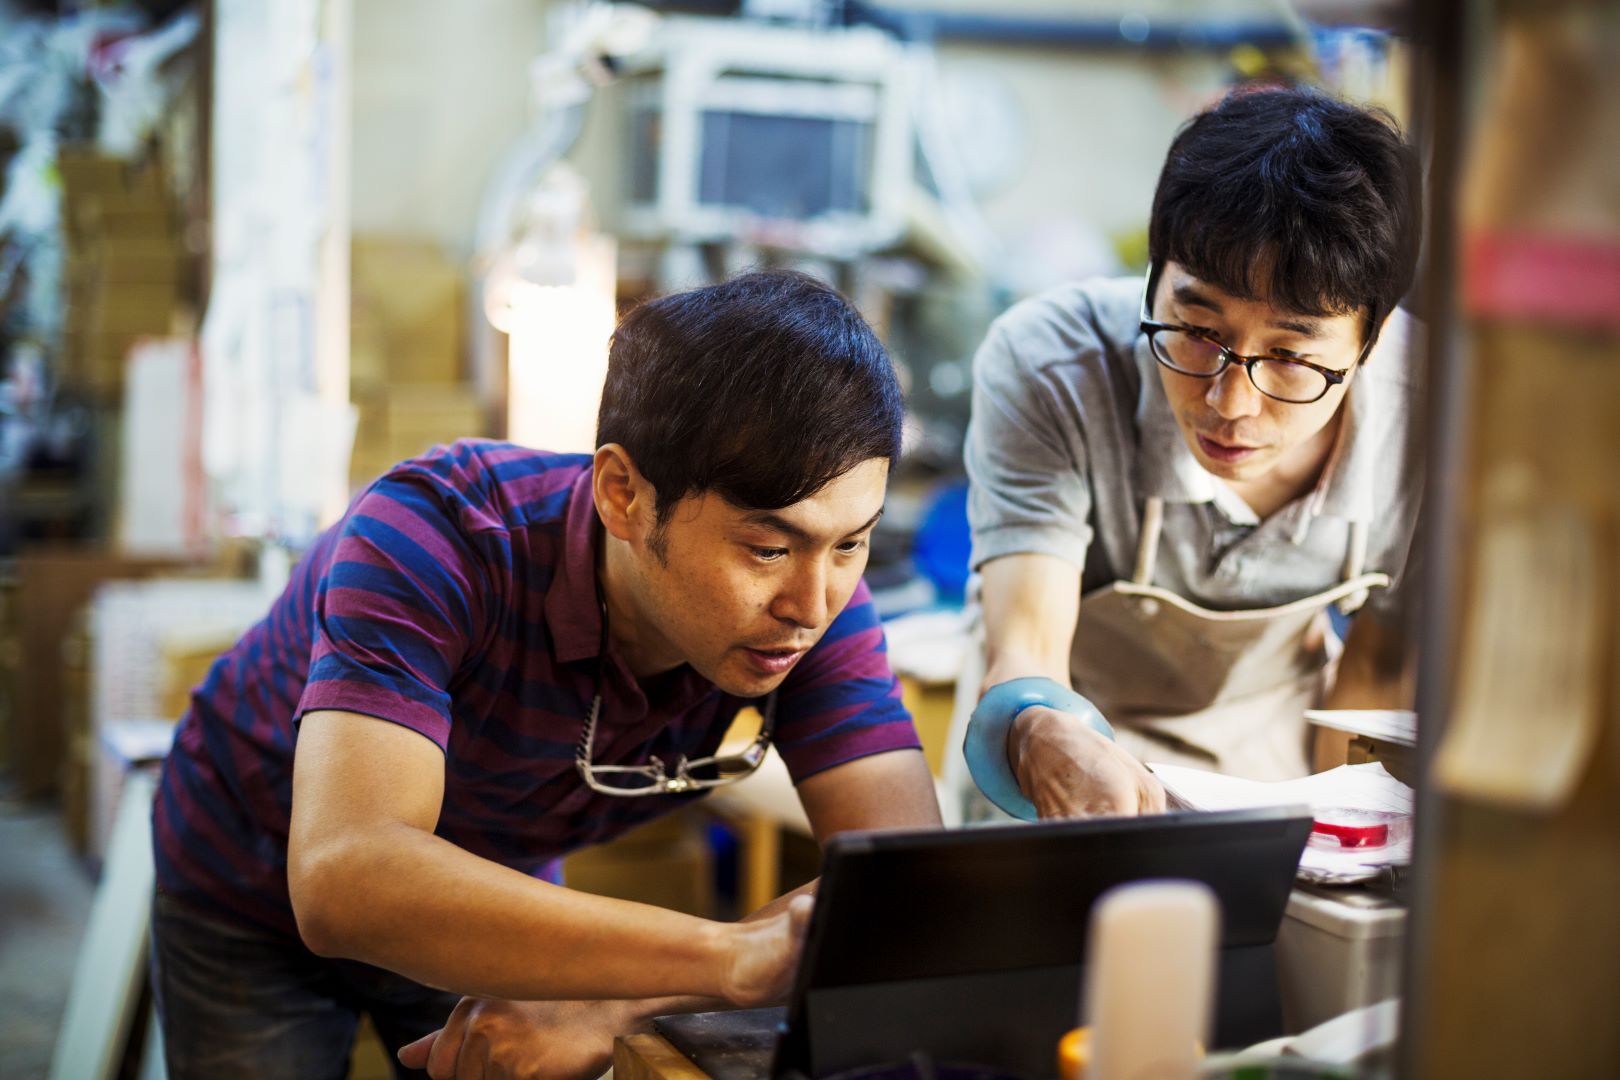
[[1398, 726], [1354, 787]]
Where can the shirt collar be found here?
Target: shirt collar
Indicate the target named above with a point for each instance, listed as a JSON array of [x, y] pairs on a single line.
[[1346, 488], [1166, 467], [573, 612], [574, 619]]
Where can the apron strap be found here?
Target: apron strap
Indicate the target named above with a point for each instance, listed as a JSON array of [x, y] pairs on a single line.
[[1355, 560], [1147, 548]]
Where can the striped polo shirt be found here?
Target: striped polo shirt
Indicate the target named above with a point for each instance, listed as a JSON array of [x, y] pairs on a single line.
[[457, 597]]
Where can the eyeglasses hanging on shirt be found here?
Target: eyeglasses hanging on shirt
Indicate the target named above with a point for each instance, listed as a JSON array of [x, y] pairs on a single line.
[[656, 778]]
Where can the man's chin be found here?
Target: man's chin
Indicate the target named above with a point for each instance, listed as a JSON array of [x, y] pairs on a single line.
[[1223, 470], [1255, 464], [732, 677]]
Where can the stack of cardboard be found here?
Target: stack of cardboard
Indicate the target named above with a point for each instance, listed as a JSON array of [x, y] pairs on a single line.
[[666, 863], [405, 420], [53, 585], [10, 667], [405, 371], [76, 773], [125, 270], [142, 640]]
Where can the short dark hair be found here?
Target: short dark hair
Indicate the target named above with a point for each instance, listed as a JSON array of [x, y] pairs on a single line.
[[763, 389], [1295, 197]]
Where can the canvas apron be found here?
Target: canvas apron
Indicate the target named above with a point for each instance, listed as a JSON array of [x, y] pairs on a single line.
[[1215, 689], [1224, 690]]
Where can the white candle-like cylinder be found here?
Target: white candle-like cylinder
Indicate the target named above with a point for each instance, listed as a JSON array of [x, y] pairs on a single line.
[[1150, 980]]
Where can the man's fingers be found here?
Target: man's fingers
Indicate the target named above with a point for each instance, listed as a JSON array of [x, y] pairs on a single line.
[[1120, 797], [414, 1055], [1154, 799], [799, 909], [473, 1062], [441, 1064]]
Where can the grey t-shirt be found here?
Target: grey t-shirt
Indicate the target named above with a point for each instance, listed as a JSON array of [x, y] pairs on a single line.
[[1071, 433]]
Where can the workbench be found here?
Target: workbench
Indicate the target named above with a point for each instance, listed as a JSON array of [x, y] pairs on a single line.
[[651, 1057]]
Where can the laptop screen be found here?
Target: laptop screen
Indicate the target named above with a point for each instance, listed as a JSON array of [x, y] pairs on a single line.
[[968, 944]]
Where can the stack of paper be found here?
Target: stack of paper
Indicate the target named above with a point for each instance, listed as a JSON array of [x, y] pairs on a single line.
[[1349, 787], [1397, 726]]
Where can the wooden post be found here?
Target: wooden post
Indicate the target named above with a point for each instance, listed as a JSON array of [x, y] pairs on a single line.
[[1515, 940]]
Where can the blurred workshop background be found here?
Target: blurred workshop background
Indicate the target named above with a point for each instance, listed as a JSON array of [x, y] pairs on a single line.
[[255, 252]]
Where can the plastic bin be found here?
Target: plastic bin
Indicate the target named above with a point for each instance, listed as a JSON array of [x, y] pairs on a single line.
[[1337, 950]]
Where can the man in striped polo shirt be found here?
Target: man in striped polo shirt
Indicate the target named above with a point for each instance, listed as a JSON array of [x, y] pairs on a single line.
[[366, 803]]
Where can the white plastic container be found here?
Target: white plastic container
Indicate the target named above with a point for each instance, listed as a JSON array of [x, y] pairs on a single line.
[[1337, 950]]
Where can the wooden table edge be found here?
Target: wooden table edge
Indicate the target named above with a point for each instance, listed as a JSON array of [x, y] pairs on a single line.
[[650, 1056]]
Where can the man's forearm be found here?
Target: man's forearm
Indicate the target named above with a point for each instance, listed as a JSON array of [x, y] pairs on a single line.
[[637, 1014], [1014, 662], [411, 902], [1031, 603]]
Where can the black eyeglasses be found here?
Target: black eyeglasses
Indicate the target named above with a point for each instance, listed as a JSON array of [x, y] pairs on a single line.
[[1188, 350], [655, 778]]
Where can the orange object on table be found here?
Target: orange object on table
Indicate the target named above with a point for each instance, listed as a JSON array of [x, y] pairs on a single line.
[[1074, 1054]]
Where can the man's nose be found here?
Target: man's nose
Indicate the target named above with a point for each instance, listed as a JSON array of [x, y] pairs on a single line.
[[1232, 394], [803, 598]]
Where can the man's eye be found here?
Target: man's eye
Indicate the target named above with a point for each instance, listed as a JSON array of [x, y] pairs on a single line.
[[768, 554], [850, 547]]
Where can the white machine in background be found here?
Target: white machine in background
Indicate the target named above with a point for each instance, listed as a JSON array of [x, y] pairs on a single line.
[[793, 136], [821, 144]]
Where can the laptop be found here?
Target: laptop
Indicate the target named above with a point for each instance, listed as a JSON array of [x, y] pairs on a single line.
[[968, 945]]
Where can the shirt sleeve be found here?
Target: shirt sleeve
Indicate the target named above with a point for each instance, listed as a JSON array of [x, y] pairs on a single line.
[[842, 701], [397, 610], [1027, 486]]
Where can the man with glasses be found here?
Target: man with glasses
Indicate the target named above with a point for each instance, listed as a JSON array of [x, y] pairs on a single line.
[[1174, 481], [501, 655]]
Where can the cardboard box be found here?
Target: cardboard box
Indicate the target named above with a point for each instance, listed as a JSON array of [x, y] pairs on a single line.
[[184, 660], [368, 352], [52, 585], [77, 775], [406, 420], [10, 665], [93, 362], [420, 417], [87, 173], [126, 266], [135, 263], [407, 299], [666, 863], [121, 224], [146, 308]]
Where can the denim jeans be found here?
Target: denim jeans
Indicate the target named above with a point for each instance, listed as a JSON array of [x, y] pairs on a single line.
[[238, 1001]]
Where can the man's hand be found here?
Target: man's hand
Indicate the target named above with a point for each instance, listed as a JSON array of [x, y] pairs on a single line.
[[487, 1039], [1068, 770], [765, 954]]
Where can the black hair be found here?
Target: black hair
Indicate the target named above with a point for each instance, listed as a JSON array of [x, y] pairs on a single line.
[[1293, 197], [763, 389]]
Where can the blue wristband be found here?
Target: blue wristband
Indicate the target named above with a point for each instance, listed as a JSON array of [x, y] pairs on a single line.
[[985, 746]]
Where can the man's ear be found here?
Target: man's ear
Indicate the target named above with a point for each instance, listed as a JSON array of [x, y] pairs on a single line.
[[624, 498], [1379, 341]]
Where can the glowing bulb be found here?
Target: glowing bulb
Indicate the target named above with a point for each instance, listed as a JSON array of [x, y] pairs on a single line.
[[557, 352]]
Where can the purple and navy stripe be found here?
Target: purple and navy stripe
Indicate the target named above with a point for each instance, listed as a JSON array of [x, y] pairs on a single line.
[[457, 598]]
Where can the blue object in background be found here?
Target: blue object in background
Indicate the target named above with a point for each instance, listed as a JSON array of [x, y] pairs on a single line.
[[943, 544]]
